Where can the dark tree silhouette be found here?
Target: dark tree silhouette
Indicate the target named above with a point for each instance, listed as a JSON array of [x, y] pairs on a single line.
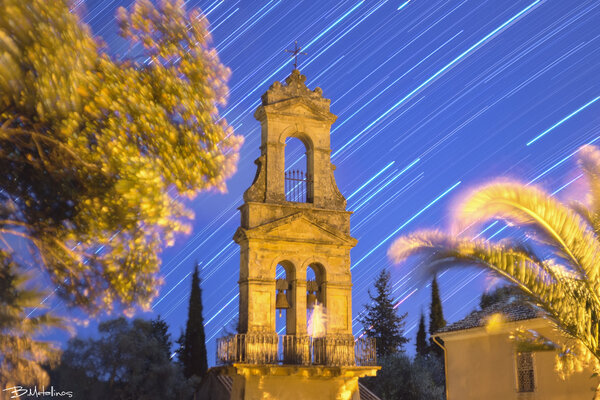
[[192, 353], [436, 316], [381, 321], [406, 379], [160, 331], [128, 360], [422, 347]]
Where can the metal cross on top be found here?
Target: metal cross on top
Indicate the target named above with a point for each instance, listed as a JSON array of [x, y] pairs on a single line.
[[295, 53]]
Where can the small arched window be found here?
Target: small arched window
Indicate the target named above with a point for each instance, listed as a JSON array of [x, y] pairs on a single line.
[[298, 175]]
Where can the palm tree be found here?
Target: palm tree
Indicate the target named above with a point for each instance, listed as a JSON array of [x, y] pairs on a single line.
[[558, 268]]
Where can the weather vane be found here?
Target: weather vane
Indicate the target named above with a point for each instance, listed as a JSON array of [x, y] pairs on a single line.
[[295, 53]]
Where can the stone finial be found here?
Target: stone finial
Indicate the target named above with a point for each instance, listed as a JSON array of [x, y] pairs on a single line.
[[296, 78], [294, 86]]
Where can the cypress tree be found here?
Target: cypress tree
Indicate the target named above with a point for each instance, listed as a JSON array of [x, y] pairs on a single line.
[[436, 316], [192, 353], [422, 347], [381, 321]]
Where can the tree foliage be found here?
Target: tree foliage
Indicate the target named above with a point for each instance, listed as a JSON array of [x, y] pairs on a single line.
[[127, 361], [20, 353], [559, 272], [401, 378], [97, 153], [381, 320], [421, 343], [192, 353]]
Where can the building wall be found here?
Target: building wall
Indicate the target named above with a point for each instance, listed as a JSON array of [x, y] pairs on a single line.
[[482, 365]]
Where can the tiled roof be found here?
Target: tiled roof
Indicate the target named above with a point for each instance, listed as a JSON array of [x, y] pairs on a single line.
[[515, 311]]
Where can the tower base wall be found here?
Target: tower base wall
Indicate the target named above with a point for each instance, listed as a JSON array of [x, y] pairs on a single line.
[[266, 382]]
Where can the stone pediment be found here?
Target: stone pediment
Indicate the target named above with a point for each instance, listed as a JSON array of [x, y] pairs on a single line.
[[296, 228], [295, 98]]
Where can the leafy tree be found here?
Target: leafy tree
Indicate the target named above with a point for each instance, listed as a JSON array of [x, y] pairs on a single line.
[[20, 353], [436, 316], [560, 271], [128, 361], [97, 153], [422, 347], [381, 321], [433, 368], [192, 353], [403, 379]]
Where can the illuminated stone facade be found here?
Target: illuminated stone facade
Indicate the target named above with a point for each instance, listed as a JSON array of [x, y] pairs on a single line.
[[295, 235]]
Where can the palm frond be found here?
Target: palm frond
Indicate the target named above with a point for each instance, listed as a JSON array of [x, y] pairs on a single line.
[[564, 283], [583, 211], [539, 212], [441, 251], [589, 162], [559, 291]]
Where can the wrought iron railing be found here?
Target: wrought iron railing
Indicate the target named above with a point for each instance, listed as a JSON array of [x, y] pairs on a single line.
[[365, 351], [295, 350], [248, 349], [333, 351], [298, 187]]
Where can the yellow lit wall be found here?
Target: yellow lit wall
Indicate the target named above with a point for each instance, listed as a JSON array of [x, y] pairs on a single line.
[[482, 365]]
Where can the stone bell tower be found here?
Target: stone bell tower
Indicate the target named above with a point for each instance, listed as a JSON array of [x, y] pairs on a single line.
[[297, 221]]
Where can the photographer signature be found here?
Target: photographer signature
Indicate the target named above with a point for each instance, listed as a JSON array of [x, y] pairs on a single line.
[[18, 391]]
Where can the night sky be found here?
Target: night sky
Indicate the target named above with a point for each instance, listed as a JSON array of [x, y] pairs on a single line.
[[432, 98]]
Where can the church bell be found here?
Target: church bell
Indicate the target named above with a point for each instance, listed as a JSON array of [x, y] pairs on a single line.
[[281, 301]]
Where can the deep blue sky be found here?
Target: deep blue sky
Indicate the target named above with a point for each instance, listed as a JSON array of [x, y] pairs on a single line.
[[453, 89]]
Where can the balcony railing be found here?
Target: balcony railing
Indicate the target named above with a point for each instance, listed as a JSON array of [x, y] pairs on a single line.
[[295, 350], [298, 187]]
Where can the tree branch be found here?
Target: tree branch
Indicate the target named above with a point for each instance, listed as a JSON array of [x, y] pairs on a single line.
[[8, 133]]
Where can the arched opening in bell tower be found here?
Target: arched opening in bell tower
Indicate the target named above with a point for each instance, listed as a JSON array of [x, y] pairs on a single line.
[[284, 275], [298, 170], [316, 317]]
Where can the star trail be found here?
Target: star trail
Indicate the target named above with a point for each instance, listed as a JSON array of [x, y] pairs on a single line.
[[432, 98]]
